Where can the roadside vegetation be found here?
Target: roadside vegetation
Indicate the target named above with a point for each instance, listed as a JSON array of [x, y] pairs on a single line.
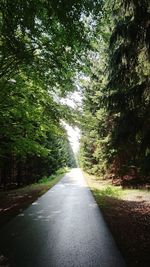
[[100, 49], [127, 213], [12, 202]]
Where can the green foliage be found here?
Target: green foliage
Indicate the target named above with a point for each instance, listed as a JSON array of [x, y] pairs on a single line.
[[41, 43], [46, 46], [115, 128], [129, 83], [95, 149], [59, 172], [45, 35], [108, 191]]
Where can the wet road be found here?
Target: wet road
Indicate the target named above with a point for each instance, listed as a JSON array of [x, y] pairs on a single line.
[[63, 228]]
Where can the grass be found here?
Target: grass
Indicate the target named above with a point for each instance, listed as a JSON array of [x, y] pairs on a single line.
[[15, 201], [53, 177], [108, 191], [104, 188]]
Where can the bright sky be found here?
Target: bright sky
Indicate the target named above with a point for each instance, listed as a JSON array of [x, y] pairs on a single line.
[[73, 100], [74, 137]]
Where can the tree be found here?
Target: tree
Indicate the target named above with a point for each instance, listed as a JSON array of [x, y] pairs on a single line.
[[129, 84], [41, 45], [117, 139]]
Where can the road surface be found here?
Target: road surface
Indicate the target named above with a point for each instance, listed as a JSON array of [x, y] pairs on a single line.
[[63, 228]]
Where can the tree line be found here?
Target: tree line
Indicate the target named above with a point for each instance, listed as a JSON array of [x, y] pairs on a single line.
[[47, 47], [41, 42], [116, 140]]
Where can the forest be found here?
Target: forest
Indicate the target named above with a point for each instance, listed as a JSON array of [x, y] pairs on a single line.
[[96, 55], [116, 103], [50, 49]]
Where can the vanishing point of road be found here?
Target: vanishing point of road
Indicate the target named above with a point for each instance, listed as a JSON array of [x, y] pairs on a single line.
[[63, 228]]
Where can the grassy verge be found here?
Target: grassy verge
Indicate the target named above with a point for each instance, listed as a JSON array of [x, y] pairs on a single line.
[[127, 213], [14, 201]]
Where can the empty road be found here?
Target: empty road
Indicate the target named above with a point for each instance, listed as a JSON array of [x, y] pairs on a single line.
[[63, 228]]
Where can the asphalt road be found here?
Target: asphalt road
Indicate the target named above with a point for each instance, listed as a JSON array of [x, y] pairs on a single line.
[[63, 228]]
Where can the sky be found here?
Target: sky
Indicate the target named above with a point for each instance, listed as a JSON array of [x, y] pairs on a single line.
[[74, 137], [73, 100]]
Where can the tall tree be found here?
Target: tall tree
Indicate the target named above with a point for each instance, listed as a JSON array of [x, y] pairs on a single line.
[[117, 138], [41, 45], [129, 84]]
